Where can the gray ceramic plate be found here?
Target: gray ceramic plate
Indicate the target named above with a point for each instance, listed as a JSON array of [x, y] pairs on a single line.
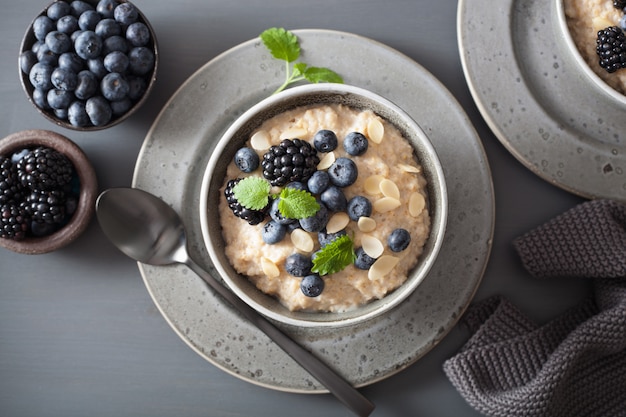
[[173, 159], [536, 101]]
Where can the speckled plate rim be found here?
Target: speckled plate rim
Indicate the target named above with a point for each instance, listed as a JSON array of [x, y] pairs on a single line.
[[178, 146], [536, 100]]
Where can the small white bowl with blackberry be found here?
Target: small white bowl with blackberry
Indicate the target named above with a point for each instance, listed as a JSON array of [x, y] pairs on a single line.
[[88, 64], [47, 191], [324, 205]]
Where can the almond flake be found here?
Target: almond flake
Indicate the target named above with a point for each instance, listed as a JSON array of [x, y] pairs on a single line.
[[269, 268], [366, 224], [409, 168], [386, 204], [416, 204], [326, 161], [372, 246], [302, 240], [260, 141], [372, 184], [293, 133], [337, 222], [375, 130], [382, 267], [389, 189]]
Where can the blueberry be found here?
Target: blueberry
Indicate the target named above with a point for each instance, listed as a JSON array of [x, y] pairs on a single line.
[[58, 42], [70, 61], [120, 107], [37, 45], [125, 14], [40, 229], [334, 199], [324, 238], [79, 7], [114, 87], [46, 56], [343, 172], [68, 24], [318, 182], [138, 87], [116, 61], [399, 240], [298, 265], [88, 20], [276, 216], [59, 99], [622, 22], [114, 43], [141, 60], [75, 35], [64, 79], [77, 114], [312, 285], [40, 98], [96, 66], [27, 60], [325, 141], [138, 34], [363, 260], [273, 232], [99, 110], [317, 222], [358, 207], [42, 25], [88, 45], [87, 85], [107, 8], [246, 159], [108, 27], [39, 76], [355, 143], [58, 9], [60, 113], [297, 185]]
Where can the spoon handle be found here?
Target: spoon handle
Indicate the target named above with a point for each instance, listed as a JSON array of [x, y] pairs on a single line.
[[337, 386]]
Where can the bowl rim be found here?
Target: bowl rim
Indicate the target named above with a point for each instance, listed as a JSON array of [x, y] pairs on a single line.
[[576, 55], [29, 39], [81, 219], [305, 319]]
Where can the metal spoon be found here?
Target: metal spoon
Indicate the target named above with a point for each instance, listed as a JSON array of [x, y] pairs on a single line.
[[148, 230]]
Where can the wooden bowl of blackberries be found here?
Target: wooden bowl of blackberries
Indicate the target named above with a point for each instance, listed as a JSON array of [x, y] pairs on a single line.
[[88, 64], [47, 191]]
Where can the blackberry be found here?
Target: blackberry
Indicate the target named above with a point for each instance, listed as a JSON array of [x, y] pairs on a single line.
[[10, 186], [611, 48], [13, 221], [45, 169], [619, 4], [46, 207], [292, 160], [251, 216]]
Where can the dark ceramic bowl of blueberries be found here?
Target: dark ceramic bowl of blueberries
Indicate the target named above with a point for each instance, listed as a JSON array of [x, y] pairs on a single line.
[[48, 189], [88, 64]]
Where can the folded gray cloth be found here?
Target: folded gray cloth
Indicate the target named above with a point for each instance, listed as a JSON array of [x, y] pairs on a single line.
[[575, 365]]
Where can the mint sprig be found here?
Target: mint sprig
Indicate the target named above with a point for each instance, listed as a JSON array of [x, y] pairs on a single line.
[[252, 193], [297, 204], [284, 45], [334, 256]]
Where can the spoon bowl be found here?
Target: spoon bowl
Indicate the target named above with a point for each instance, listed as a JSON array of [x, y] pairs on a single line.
[[147, 229]]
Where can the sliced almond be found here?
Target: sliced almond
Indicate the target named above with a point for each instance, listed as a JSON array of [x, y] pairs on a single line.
[[417, 202], [302, 240], [261, 140], [326, 161], [389, 189], [372, 246], [293, 133], [366, 224], [269, 268], [409, 168], [375, 130], [337, 222], [383, 266], [372, 184], [385, 204]]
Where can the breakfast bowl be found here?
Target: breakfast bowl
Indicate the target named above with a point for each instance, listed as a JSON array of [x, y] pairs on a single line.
[[88, 64], [283, 264], [52, 206]]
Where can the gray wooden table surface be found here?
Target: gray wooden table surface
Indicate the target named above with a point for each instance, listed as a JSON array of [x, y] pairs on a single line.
[[79, 334]]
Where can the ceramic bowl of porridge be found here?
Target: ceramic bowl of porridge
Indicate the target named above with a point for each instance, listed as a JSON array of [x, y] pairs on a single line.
[[578, 23], [323, 205]]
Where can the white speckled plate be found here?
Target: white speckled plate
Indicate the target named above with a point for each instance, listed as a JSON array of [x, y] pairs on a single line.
[[537, 101], [173, 159]]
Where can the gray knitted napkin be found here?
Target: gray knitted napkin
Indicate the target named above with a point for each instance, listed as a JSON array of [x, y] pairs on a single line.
[[574, 365]]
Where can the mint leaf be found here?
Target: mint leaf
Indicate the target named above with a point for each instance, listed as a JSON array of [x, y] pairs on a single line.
[[334, 257], [297, 204], [252, 193], [281, 43], [322, 75]]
